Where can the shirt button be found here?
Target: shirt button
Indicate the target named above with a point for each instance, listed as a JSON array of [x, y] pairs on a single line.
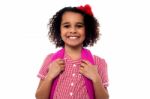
[[74, 65], [73, 74], [72, 84], [71, 93]]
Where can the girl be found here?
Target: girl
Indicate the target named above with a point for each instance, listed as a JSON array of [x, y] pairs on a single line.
[[73, 72]]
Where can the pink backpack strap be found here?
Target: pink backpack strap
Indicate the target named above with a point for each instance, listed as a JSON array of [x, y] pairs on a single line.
[[85, 54], [58, 54]]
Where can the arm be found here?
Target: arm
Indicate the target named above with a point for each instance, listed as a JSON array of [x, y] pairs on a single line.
[[43, 90], [100, 91], [91, 72]]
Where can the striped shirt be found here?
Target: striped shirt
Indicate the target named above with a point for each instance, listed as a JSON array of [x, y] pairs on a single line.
[[71, 84]]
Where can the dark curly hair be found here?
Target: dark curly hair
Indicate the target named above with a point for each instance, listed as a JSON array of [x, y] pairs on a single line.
[[91, 27]]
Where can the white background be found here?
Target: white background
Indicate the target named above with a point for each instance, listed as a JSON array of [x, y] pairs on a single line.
[[125, 28]]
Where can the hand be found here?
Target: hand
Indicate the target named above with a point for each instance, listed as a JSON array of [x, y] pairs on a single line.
[[55, 68], [88, 70]]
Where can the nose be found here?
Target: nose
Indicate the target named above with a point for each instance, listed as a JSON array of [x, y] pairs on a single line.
[[72, 30]]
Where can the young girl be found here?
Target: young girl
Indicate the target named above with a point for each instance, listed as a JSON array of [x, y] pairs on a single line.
[[73, 72]]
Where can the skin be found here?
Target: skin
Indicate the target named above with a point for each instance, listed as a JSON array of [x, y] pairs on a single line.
[[73, 34]]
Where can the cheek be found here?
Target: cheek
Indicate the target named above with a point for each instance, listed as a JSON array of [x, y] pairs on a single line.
[[84, 37], [63, 36], [83, 34], [62, 32]]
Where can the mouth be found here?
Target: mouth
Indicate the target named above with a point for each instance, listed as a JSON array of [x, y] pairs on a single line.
[[73, 37]]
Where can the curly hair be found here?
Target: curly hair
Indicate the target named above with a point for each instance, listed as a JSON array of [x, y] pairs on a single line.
[[91, 27]]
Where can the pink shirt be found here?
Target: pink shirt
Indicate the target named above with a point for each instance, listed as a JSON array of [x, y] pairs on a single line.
[[71, 84]]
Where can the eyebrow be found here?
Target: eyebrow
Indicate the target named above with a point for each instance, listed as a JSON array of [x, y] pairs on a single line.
[[66, 23]]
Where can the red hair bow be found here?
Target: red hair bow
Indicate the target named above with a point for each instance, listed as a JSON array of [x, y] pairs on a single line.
[[87, 9]]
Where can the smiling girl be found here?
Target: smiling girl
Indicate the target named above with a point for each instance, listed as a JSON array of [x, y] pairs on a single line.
[[73, 72]]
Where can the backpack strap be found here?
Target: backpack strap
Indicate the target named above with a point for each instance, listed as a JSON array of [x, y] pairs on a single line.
[[58, 54], [85, 54]]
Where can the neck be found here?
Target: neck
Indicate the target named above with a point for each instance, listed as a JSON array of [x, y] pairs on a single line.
[[74, 53]]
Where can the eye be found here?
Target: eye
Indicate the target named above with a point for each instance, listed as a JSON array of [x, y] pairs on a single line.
[[79, 25], [66, 26]]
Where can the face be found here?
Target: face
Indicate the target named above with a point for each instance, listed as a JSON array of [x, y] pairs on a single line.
[[72, 29]]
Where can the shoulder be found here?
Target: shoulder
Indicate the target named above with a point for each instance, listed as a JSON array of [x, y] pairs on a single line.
[[102, 69], [48, 56], [47, 60], [99, 60], [44, 68]]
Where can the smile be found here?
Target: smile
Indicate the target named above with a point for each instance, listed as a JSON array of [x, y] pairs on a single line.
[[73, 37]]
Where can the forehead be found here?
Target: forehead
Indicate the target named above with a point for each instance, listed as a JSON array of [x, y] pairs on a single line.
[[72, 17]]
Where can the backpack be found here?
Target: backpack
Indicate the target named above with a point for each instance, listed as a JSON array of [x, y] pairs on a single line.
[[86, 55]]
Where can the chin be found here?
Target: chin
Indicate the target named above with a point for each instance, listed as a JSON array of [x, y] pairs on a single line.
[[75, 45]]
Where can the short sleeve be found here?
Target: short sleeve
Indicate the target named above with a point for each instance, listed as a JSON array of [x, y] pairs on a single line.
[[44, 68], [102, 70]]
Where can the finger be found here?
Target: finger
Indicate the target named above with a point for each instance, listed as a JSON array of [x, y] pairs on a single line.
[[61, 62], [62, 69], [83, 65], [81, 70], [62, 65], [59, 59], [85, 61]]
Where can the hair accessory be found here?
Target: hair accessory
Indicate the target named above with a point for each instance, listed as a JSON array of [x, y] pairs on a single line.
[[87, 9]]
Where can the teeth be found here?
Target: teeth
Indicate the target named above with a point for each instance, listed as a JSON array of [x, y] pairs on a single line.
[[72, 37]]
